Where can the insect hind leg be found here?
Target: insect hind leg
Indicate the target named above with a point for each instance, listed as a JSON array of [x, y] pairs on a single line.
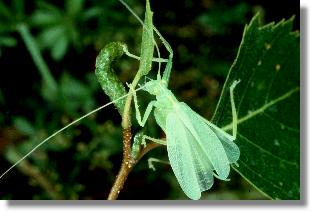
[[156, 140], [234, 112], [151, 162]]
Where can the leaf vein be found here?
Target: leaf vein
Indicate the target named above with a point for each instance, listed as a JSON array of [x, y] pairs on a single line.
[[262, 109], [280, 123], [268, 152], [262, 177]]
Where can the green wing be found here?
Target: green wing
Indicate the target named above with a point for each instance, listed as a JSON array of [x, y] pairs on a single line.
[[207, 140], [191, 170], [180, 156], [231, 149]]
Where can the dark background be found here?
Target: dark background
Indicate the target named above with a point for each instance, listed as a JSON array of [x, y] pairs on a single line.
[[83, 161]]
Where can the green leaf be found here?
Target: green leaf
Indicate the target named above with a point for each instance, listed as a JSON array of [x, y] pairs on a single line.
[[49, 36], [74, 95], [147, 44], [44, 18], [7, 41], [49, 83], [58, 50], [24, 126], [268, 106]]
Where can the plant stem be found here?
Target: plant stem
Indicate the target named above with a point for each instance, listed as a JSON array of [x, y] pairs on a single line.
[[127, 161], [146, 58], [148, 148], [126, 123], [34, 51], [29, 170], [126, 166]]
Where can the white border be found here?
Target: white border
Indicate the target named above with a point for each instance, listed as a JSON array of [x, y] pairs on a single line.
[[306, 5]]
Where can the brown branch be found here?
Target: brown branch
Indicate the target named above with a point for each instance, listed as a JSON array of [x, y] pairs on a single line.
[[148, 148], [28, 169], [126, 166], [127, 163]]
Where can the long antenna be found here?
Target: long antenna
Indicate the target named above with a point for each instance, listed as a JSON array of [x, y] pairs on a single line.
[[64, 128], [142, 23], [90, 113]]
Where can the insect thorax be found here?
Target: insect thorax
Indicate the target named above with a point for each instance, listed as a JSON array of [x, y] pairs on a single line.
[[155, 87]]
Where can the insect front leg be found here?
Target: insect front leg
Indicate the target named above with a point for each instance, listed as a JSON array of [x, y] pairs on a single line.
[[168, 68], [126, 51], [234, 112], [148, 110]]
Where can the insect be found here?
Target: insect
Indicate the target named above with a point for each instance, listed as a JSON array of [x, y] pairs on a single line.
[[198, 150], [196, 147]]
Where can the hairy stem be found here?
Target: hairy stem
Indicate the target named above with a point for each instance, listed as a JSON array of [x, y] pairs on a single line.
[[126, 123], [126, 166], [127, 161], [146, 58]]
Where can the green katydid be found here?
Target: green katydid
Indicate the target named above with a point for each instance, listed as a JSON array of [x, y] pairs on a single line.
[[196, 147]]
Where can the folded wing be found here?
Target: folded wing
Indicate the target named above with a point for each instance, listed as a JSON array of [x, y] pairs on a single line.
[[207, 140], [230, 147], [181, 156]]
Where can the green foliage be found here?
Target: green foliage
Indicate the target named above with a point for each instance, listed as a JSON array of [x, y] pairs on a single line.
[[6, 41], [49, 83], [78, 93], [268, 100], [218, 19], [61, 27], [8, 18]]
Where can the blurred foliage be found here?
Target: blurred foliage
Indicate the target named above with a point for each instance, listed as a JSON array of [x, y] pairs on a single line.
[[82, 162], [62, 27]]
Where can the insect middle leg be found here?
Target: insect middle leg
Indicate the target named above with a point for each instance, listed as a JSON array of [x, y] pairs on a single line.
[[148, 110], [156, 140], [143, 120]]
